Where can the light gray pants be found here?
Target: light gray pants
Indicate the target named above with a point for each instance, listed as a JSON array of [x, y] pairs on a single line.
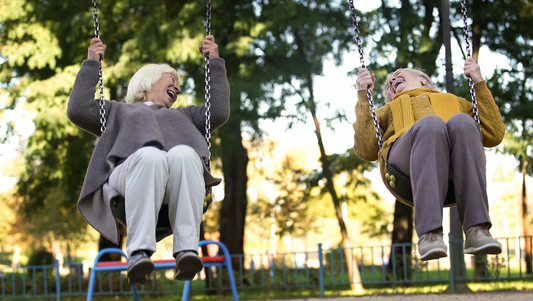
[[431, 152], [151, 177]]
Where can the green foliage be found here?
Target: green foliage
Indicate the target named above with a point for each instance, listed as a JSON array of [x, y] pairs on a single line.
[[40, 257], [505, 30]]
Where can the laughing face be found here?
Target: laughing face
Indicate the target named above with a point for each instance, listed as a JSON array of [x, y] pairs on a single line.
[[403, 80], [165, 91]]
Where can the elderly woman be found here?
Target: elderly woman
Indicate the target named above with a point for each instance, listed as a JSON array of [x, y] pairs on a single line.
[[432, 137], [151, 154]]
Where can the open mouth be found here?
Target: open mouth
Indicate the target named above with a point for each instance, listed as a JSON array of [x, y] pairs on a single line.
[[171, 93], [396, 83]]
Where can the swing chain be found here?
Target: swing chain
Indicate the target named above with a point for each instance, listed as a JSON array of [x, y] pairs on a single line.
[[359, 43], [208, 90], [100, 73], [470, 81]]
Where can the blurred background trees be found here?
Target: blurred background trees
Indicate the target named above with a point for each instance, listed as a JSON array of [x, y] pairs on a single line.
[[273, 51]]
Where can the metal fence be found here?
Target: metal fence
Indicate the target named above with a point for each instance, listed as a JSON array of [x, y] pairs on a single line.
[[320, 270]]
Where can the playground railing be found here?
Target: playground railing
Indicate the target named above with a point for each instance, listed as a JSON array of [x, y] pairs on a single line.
[[316, 270]]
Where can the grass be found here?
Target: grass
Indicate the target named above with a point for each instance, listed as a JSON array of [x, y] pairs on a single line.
[[330, 291]]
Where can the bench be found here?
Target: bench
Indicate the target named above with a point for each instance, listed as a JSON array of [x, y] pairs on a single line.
[[113, 266]]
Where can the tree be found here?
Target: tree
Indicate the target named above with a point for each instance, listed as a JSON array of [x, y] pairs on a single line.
[[503, 27], [312, 31], [404, 36]]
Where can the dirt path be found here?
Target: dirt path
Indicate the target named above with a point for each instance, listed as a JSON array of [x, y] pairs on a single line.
[[516, 296]]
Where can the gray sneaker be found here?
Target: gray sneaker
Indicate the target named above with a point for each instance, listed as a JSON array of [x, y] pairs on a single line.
[[140, 266], [431, 245], [188, 264], [480, 242]]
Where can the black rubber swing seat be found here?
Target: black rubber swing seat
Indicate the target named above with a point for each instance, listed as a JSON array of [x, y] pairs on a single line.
[[163, 229], [403, 188]]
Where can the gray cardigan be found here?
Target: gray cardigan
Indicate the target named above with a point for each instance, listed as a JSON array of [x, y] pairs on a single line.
[[132, 126]]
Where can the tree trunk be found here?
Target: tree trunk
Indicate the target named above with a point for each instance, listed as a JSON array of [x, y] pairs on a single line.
[[233, 211], [105, 243], [525, 219], [477, 27], [402, 232], [356, 284]]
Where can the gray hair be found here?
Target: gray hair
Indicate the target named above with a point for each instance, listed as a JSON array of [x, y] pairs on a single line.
[[416, 72], [143, 80]]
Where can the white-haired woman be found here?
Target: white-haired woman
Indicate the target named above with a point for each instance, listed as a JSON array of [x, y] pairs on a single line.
[[151, 154], [432, 137]]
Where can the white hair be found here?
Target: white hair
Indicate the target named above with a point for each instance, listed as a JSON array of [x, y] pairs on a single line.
[[144, 79], [416, 72]]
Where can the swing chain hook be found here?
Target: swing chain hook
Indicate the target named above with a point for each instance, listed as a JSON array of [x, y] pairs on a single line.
[[100, 73], [369, 95], [208, 90], [470, 81]]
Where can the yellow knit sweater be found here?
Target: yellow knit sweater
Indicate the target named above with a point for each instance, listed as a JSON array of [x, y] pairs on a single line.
[[423, 102]]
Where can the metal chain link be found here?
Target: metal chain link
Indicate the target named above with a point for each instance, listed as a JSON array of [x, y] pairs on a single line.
[[208, 90], [470, 81], [100, 73], [368, 89]]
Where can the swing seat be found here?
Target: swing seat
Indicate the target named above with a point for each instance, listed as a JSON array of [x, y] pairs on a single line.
[[162, 230], [403, 188]]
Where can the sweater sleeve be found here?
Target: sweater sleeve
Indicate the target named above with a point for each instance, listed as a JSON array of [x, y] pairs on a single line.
[[83, 110], [365, 140], [492, 126], [220, 99]]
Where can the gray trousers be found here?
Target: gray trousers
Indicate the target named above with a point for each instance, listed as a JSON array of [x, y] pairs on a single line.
[[433, 151], [151, 177]]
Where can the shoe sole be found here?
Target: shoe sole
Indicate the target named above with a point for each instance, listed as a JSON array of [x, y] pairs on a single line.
[[490, 248], [188, 266], [139, 272], [434, 254]]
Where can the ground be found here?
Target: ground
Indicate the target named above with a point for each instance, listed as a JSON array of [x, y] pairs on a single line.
[[515, 296]]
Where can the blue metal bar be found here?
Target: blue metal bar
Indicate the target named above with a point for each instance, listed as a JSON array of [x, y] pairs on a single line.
[[452, 283], [342, 266], [241, 273], [284, 271], [34, 282], [263, 271], [220, 277], [252, 272], [307, 267], [362, 265], [99, 281], [210, 277], [45, 282], [121, 282], [69, 278], [3, 284], [332, 265], [320, 270], [475, 266], [373, 266], [508, 259], [520, 252], [393, 252], [416, 262], [404, 262], [24, 282], [58, 281], [295, 270], [382, 264], [80, 272], [110, 281], [13, 282]]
